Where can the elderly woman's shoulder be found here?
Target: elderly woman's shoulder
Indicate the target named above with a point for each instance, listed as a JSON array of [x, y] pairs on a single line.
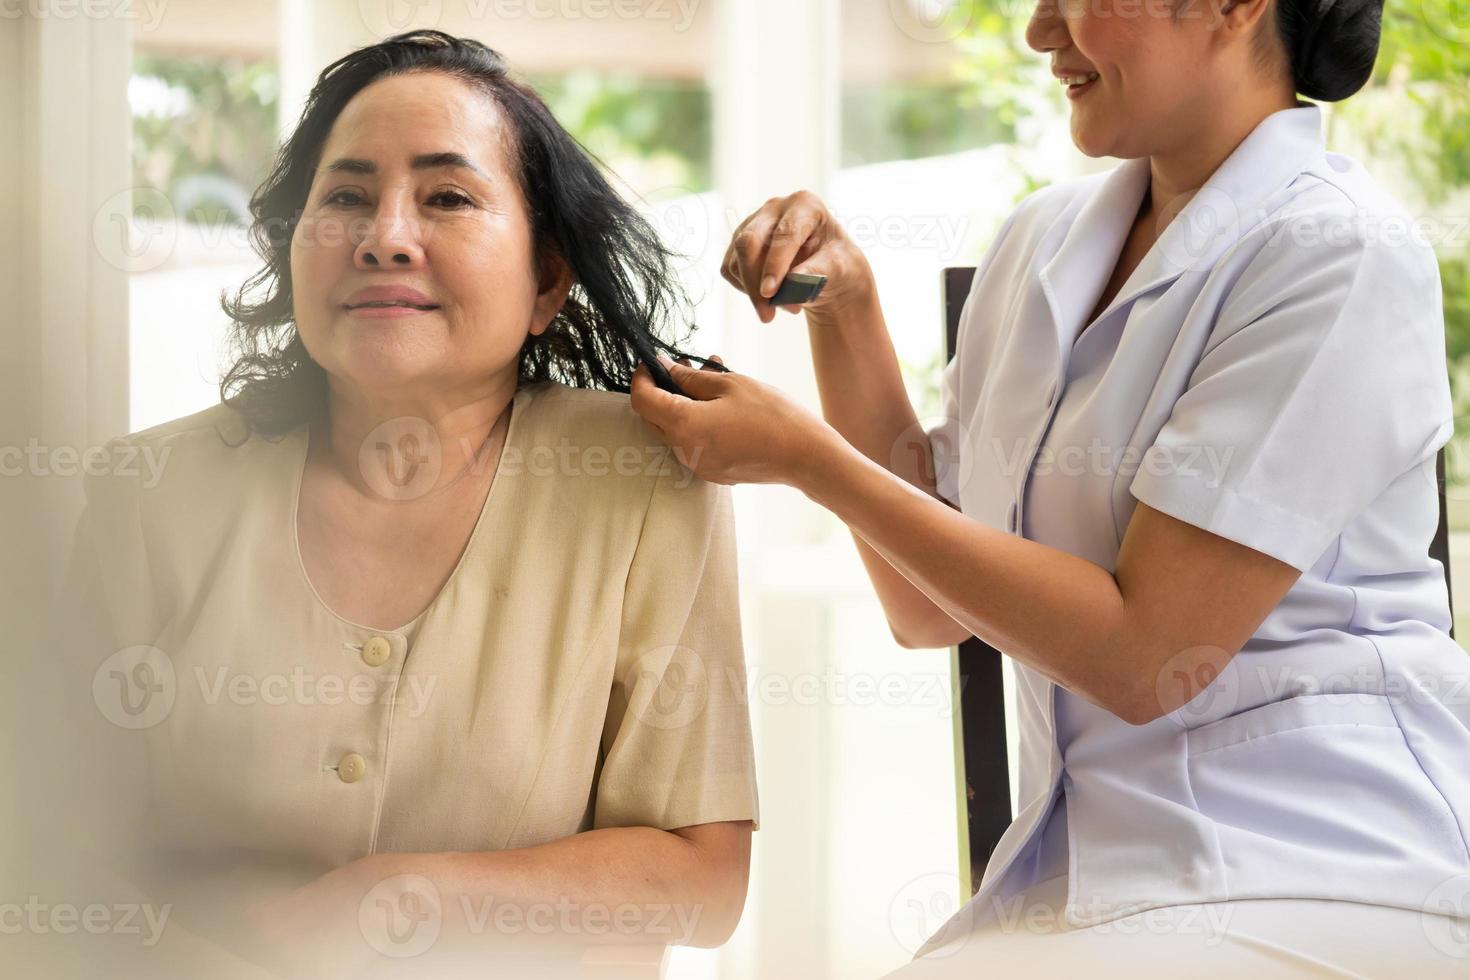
[[606, 416], [219, 420], [205, 455]]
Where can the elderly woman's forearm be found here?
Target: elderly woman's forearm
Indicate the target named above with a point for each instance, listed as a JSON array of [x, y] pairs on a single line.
[[613, 886]]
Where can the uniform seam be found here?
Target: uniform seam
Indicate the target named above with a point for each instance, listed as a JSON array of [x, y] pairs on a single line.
[[1398, 723]]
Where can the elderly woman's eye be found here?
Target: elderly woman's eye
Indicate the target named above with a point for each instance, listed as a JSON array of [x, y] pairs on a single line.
[[451, 199], [337, 197]]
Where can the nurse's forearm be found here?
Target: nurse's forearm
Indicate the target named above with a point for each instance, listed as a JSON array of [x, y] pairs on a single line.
[[864, 399], [614, 886], [1059, 614]]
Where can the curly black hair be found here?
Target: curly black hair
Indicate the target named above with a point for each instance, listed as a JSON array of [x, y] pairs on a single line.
[[625, 296]]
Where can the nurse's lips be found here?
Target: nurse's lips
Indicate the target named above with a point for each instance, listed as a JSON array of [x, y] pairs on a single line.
[[388, 301], [1078, 80]]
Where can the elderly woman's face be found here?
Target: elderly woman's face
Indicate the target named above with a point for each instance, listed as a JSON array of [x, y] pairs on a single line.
[[415, 210]]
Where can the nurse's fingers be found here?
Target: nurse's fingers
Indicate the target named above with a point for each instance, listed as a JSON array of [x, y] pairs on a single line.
[[657, 407], [795, 236], [747, 255]]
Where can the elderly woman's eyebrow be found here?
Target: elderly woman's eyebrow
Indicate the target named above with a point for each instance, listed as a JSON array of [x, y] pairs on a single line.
[[424, 161]]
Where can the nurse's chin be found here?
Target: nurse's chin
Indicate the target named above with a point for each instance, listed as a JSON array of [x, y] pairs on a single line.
[[1093, 141]]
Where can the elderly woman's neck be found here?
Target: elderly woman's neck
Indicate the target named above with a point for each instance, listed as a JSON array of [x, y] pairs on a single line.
[[405, 446]]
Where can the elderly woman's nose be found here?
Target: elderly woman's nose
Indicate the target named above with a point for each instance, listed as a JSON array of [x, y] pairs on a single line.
[[395, 236]]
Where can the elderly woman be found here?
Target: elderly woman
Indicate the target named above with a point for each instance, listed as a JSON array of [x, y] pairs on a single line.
[[424, 644]]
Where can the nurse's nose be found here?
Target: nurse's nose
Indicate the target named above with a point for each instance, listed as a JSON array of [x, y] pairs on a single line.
[[393, 239], [1047, 28]]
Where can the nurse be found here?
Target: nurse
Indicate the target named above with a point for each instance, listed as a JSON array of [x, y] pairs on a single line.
[[1185, 482]]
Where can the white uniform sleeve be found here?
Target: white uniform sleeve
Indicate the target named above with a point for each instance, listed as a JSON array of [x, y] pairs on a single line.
[[944, 438], [1322, 381]]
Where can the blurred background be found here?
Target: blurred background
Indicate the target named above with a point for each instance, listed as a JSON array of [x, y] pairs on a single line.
[[920, 122]]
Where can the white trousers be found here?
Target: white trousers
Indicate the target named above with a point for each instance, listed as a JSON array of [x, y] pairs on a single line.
[[1252, 939]]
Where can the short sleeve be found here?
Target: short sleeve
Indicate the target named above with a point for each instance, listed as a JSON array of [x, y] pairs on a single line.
[[1322, 381], [944, 439], [677, 741]]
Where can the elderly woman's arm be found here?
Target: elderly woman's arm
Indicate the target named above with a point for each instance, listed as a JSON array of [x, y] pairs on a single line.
[[616, 885]]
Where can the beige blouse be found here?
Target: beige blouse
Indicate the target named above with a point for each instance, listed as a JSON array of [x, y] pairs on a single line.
[[581, 668]]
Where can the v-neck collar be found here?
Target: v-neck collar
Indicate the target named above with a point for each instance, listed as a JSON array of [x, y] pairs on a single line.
[[1228, 205], [510, 449]]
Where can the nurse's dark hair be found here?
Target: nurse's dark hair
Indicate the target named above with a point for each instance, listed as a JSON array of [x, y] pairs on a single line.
[[626, 294], [1329, 45]]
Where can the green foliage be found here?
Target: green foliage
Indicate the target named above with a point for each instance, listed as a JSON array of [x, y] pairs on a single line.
[[203, 117], [653, 132], [1425, 59]]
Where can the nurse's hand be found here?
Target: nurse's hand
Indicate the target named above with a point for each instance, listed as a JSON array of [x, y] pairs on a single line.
[[732, 428], [797, 234]]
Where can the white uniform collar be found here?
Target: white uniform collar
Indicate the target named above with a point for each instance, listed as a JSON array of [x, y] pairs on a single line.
[[1231, 202]]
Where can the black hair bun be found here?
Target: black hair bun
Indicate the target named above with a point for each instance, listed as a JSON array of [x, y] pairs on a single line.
[[1332, 44]]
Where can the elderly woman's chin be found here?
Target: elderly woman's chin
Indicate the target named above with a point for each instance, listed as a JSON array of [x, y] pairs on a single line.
[[384, 353]]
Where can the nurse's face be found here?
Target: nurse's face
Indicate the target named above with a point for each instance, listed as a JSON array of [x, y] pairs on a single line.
[[379, 217], [1155, 69]]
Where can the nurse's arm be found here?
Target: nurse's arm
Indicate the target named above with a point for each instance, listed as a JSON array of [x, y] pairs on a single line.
[[1140, 641], [610, 886]]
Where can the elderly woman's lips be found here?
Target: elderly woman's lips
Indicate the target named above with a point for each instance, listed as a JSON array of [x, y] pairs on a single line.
[[379, 311]]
